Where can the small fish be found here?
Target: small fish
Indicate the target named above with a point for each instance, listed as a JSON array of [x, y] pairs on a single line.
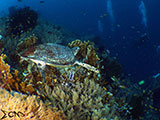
[[157, 75], [1, 37], [141, 82], [107, 51], [55, 80], [122, 86], [103, 16], [19, 0], [132, 27], [105, 88], [41, 1], [118, 25]]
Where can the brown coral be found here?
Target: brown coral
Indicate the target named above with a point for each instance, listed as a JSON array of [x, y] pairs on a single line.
[[86, 54], [81, 101], [13, 82], [27, 42], [23, 107], [6, 79]]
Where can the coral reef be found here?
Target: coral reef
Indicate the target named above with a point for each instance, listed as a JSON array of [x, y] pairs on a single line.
[[76, 73], [13, 82], [43, 31], [71, 91], [76, 94], [14, 45], [6, 79], [82, 101], [20, 20], [109, 67], [18, 106], [86, 54], [26, 42]]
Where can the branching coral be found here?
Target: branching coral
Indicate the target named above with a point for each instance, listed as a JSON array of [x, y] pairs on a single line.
[[82, 101], [75, 93], [28, 107]]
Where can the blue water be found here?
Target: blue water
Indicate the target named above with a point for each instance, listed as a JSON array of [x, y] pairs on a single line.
[[122, 36]]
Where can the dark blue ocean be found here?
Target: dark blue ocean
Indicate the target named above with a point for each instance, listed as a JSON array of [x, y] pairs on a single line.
[[120, 27], [127, 30]]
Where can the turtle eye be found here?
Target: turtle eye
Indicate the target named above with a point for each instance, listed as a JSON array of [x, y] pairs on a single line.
[[39, 64]]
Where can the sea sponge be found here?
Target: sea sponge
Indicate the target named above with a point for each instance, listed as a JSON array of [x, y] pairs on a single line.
[[82, 101], [27, 107]]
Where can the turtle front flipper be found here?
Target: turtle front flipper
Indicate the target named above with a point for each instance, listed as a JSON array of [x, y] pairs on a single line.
[[87, 66], [41, 65]]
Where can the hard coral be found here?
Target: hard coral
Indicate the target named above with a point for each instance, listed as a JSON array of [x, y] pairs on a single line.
[[20, 20], [22, 107], [83, 101], [86, 54]]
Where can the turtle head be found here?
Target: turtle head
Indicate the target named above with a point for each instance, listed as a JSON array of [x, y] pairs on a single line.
[[75, 50]]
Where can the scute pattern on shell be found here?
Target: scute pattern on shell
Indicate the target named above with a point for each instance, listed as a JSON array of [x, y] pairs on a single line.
[[53, 54]]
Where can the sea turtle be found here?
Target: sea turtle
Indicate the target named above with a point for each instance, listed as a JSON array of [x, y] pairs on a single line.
[[53, 54]]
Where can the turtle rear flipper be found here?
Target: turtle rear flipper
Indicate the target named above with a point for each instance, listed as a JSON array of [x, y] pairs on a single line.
[[41, 66], [87, 66]]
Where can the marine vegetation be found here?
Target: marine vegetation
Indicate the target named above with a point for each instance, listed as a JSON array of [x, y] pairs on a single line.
[[16, 106], [82, 101], [71, 89], [109, 68], [20, 20]]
